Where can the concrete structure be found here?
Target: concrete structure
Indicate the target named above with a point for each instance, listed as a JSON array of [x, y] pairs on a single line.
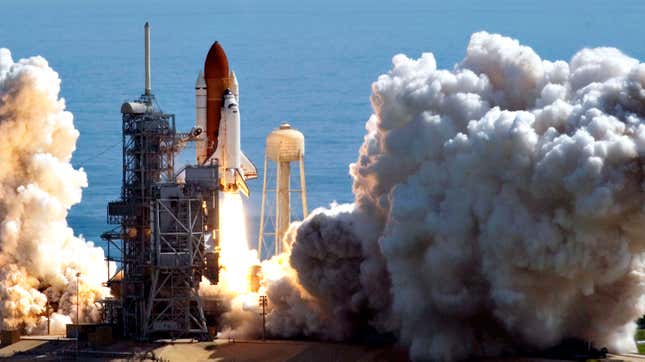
[[9, 336], [284, 146]]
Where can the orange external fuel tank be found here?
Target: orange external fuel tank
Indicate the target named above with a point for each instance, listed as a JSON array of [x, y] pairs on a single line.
[[218, 78]]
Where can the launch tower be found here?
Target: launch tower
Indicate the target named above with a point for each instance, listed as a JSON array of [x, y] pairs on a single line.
[[163, 223]]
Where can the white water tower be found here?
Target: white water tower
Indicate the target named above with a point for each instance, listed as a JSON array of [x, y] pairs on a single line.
[[284, 146]]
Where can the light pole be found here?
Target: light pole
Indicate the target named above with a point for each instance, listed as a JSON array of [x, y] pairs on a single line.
[[78, 276], [78, 327], [263, 303], [48, 310]]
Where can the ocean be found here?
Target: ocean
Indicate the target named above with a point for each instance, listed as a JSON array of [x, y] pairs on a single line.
[[307, 63]]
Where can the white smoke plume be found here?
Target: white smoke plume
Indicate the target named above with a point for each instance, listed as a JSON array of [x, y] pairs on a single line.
[[498, 209], [39, 254]]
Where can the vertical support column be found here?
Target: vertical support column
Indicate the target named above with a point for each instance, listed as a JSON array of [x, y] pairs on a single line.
[[262, 211], [277, 210], [283, 205], [303, 187]]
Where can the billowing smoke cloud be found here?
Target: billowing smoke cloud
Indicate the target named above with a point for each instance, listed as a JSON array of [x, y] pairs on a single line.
[[341, 277], [39, 254], [498, 208]]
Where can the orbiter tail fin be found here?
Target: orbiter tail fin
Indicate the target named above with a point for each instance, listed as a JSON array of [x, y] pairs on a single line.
[[250, 172], [241, 184]]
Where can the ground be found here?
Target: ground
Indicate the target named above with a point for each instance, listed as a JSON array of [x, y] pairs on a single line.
[[183, 350], [58, 348]]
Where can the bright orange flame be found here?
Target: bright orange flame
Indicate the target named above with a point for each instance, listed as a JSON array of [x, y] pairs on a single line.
[[235, 257]]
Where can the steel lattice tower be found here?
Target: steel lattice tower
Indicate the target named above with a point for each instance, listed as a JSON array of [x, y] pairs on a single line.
[[162, 226]]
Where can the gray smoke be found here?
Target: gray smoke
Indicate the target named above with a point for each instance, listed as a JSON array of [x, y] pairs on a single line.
[[340, 284], [498, 208]]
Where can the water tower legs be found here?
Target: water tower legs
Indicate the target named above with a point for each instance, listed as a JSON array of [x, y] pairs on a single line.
[[283, 203], [263, 206], [285, 145], [303, 187]]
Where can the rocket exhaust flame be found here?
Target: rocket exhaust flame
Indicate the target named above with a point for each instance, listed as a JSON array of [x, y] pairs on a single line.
[[235, 257], [237, 263]]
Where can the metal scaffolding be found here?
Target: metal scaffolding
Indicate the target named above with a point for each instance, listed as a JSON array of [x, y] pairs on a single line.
[[161, 232], [177, 266], [163, 224]]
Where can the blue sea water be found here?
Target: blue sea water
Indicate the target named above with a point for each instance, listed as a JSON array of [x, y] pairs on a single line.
[[309, 63]]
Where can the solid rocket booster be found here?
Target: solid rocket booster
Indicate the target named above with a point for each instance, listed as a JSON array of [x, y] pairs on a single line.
[[200, 118], [217, 113]]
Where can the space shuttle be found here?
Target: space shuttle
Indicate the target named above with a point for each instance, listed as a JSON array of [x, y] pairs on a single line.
[[218, 115]]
